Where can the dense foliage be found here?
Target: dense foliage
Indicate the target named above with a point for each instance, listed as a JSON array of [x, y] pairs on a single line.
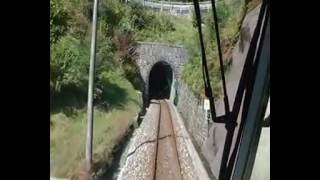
[[120, 26], [70, 46], [230, 15]]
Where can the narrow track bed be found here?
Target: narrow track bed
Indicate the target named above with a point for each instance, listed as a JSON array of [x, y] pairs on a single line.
[[167, 160]]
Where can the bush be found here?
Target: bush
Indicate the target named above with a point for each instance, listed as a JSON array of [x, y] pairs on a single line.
[[105, 56], [139, 16], [192, 75], [229, 19], [59, 20], [68, 63], [111, 13]]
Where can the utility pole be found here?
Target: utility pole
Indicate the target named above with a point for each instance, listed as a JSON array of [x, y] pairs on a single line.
[[90, 111]]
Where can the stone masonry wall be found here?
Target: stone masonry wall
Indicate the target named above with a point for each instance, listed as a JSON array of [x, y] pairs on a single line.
[[151, 53], [191, 109]]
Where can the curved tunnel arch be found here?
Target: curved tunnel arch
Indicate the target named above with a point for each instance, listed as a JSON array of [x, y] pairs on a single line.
[[160, 80], [154, 54]]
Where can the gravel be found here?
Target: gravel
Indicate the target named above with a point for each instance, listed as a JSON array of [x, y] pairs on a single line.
[[141, 155], [140, 162]]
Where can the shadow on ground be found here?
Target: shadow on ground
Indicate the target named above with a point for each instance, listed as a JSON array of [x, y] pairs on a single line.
[[71, 98], [112, 96], [110, 170]]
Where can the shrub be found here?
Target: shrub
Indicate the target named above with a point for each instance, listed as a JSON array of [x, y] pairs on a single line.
[[59, 20], [68, 63]]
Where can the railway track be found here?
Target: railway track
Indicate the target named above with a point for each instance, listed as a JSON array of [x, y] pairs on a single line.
[[161, 148], [167, 165]]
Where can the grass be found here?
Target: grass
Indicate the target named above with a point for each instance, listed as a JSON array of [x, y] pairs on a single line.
[[183, 34], [186, 35], [68, 133], [122, 102]]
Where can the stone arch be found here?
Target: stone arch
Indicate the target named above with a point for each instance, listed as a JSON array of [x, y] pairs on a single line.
[[149, 54]]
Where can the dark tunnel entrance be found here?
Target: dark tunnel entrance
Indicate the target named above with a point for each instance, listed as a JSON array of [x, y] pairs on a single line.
[[160, 80]]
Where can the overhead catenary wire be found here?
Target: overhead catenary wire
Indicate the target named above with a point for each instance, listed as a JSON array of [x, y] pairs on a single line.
[[205, 73], [216, 27], [245, 83], [248, 94], [229, 118]]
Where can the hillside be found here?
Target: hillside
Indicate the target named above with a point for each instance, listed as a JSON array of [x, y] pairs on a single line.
[[117, 93]]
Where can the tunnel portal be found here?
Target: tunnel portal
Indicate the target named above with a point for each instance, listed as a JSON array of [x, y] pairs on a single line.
[[160, 80]]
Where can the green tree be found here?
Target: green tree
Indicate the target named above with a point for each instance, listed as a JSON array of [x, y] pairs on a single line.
[[59, 18], [68, 63]]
